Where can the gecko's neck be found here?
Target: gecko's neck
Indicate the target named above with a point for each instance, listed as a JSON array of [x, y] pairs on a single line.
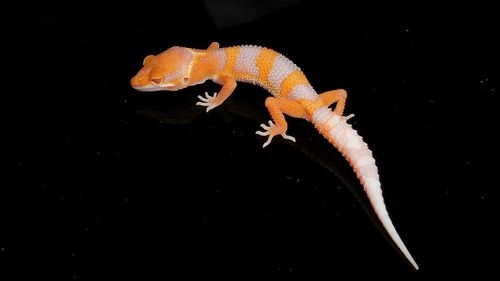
[[207, 64]]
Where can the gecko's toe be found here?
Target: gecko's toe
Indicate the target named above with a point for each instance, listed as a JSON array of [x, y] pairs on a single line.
[[262, 133], [287, 137], [269, 139], [348, 117]]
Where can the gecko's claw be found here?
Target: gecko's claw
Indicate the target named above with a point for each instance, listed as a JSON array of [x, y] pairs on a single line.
[[271, 131], [208, 101]]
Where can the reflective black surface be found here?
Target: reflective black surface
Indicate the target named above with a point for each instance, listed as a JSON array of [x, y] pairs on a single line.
[[106, 182]]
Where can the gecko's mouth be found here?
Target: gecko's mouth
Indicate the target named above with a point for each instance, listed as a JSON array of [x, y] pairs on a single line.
[[154, 88], [147, 88]]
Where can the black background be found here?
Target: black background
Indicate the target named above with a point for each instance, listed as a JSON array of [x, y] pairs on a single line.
[[105, 182]]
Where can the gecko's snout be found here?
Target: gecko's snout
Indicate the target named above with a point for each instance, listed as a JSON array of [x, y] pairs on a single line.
[[135, 82], [139, 83]]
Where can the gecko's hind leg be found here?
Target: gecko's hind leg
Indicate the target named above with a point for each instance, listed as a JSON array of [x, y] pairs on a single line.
[[338, 96], [276, 108]]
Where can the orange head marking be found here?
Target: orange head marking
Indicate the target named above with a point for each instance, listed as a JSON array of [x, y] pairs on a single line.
[[169, 71]]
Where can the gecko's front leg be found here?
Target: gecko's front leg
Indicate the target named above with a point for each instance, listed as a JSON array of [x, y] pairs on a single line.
[[228, 85]]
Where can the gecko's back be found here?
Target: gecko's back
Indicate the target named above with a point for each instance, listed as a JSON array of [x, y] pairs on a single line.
[[268, 69]]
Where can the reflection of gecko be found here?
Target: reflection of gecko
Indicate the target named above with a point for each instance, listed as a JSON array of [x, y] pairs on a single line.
[[179, 67]]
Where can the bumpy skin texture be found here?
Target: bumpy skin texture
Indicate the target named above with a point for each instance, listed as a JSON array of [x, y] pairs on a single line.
[[179, 67]]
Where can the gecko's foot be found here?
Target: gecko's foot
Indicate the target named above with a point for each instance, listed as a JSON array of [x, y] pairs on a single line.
[[271, 131], [208, 101]]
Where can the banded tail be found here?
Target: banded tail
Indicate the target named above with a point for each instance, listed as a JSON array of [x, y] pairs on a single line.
[[341, 134]]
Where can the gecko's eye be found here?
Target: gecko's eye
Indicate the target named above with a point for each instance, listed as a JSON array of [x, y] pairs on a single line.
[[155, 81], [185, 79]]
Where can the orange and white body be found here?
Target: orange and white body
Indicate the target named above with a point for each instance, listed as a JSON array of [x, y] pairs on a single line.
[[179, 67]]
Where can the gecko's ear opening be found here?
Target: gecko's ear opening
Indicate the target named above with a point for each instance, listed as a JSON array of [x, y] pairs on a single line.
[[146, 59]]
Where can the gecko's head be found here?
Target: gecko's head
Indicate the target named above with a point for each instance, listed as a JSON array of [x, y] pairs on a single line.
[[168, 71]]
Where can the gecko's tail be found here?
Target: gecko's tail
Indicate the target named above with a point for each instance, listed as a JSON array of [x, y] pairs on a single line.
[[339, 133]]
